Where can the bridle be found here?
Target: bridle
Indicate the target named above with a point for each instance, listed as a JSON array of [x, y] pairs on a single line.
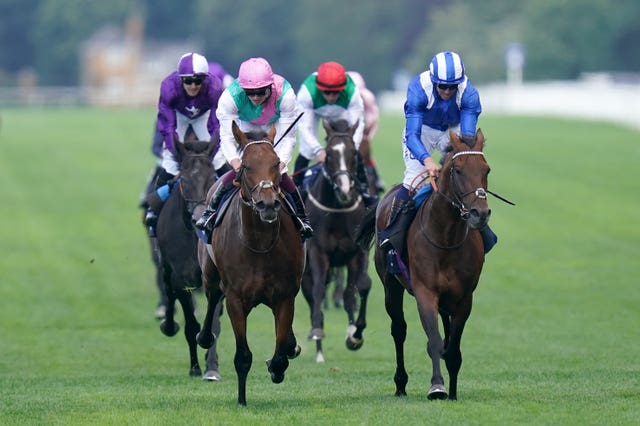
[[262, 185], [457, 201], [331, 179]]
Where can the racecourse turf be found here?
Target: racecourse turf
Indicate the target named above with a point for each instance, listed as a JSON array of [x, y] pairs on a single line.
[[552, 340]]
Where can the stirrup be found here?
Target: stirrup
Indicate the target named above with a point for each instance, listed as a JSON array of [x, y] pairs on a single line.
[[150, 218], [205, 221]]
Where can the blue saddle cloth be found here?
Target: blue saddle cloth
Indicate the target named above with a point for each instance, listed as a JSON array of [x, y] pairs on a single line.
[[311, 175]]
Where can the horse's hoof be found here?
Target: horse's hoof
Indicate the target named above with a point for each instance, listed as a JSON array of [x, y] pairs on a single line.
[[319, 357], [167, 329], [352, 343], [316, 334], [296, 352], [212, 376], [205, 340], [195, 371], [275, 377], [437, 392]]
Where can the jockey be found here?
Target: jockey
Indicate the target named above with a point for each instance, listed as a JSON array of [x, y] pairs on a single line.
[[371, 117], [188, 97], [255, 100], [330, 94], [439, 99]]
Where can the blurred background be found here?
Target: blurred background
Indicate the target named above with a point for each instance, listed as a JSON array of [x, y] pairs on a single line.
[[566, 57]]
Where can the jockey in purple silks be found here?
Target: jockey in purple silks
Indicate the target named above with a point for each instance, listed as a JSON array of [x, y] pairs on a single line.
[[438, 99], [188, 98], [257, 99]]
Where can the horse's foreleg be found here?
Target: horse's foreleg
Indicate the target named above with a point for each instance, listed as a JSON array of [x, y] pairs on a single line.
[[428, 311], [243, 357], [285, 347], [212, 373], [168, 325], [191, 329], [452, 355], [363, 286], [393, 297], [211, 285]]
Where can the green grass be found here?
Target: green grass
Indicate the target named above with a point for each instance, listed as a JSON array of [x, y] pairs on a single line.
[[552, 340]]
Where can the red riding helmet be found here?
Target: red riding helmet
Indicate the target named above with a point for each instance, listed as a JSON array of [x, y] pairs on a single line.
[[331, 76]]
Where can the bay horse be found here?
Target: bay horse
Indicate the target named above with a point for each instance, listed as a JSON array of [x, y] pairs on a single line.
[[256, 256], [444, 255], [335, 209], [177, 241]]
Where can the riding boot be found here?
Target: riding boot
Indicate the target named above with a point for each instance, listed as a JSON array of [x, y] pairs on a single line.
[[489, 239], [209, 216], [156, 198], [401, 216], [298, 172], [303, 221], [363, 183]]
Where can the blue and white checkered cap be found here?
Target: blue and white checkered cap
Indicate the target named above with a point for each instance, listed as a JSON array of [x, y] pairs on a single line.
[[446, 68], [192, 64]]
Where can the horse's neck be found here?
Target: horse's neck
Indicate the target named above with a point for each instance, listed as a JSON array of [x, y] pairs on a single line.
[[440, 218]]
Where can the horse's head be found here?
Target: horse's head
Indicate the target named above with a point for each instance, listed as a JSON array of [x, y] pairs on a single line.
[[259, 175], [463, 180], [197, 173], [340, 163]]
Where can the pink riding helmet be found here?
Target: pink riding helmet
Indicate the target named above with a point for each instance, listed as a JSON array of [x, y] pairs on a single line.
[[255, 73]]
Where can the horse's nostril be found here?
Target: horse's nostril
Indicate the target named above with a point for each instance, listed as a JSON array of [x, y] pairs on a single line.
[[260, 206]]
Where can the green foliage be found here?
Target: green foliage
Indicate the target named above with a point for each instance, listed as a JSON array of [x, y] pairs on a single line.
[[562, 38], [551, 340]]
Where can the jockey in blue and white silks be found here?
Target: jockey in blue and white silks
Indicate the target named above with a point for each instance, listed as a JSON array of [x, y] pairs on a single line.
[[438, 100]]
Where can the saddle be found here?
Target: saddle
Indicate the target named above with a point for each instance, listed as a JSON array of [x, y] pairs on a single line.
[[205, 235], [396, 260]]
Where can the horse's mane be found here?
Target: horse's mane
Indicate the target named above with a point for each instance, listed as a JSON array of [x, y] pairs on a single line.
[[256, 135], [197, 147]]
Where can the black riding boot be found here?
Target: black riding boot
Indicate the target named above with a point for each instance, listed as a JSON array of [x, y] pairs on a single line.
[[402, 213], [208, 218], [156, 198], [299, 169], [303, 221], [363, 183]]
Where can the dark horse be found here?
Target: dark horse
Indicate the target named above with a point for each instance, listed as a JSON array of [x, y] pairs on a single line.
[[336, 209], [256, 256], [444, 254], [177, 241]]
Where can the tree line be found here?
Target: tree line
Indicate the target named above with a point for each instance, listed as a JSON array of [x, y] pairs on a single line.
[[561, 39]]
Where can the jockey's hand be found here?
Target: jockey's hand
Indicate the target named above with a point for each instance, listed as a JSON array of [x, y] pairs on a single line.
[[321, 155], [236, 163], [431, 167]]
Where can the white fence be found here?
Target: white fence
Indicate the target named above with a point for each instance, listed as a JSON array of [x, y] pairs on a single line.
[[597, 99]]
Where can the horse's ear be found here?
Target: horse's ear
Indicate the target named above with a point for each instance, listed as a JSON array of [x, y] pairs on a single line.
[[479, 140], [272, 133], [327, 126], [241, 138], [180, 149], [455, 140]]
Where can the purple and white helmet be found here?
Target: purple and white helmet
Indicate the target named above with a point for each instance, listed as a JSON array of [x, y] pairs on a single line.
[[446, 68], [255, 73], [191, 64]]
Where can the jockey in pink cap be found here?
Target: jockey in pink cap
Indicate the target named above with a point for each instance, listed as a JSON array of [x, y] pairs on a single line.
[[257, 99]]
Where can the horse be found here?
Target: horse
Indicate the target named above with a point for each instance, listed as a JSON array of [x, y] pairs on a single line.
[[335, 209], [177, 241], [256, 256], [444, 255]]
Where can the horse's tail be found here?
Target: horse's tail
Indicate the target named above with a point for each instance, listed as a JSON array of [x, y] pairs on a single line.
[[367, 229]]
